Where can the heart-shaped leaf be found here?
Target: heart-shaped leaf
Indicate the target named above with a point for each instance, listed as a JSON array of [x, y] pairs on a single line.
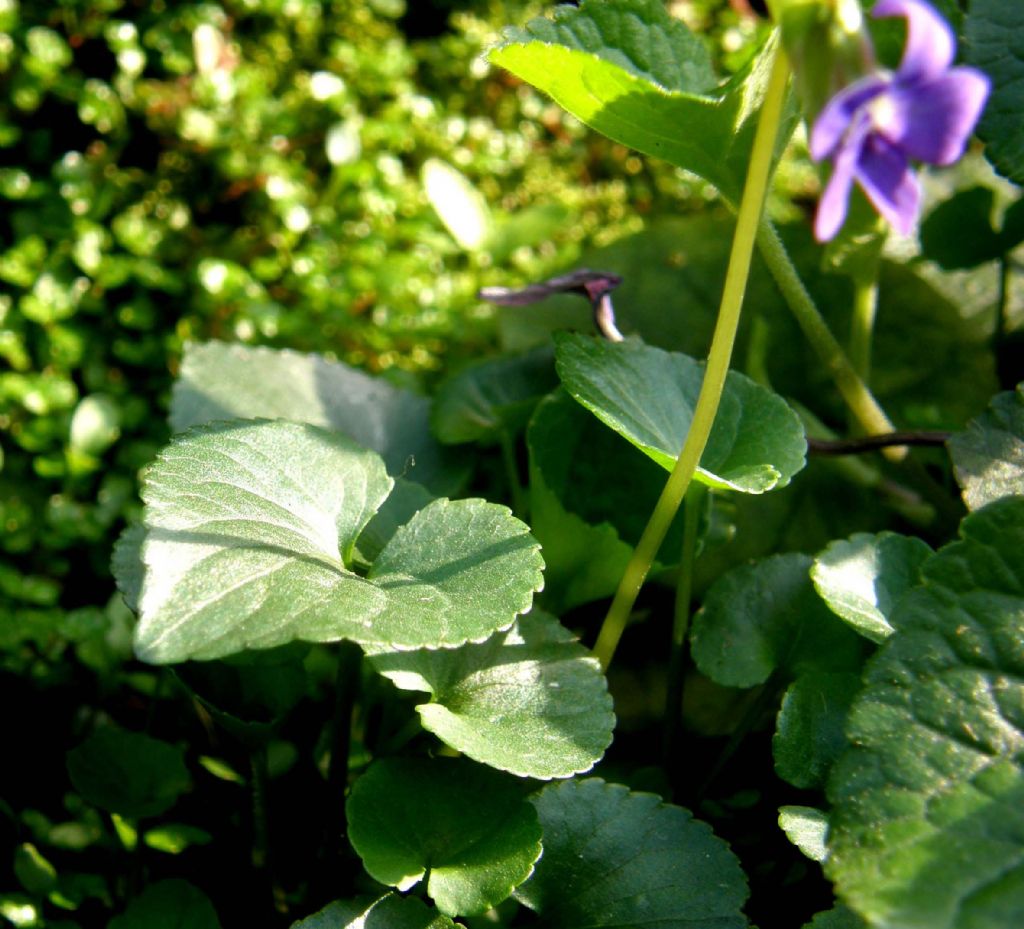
[[250, 534], [766, 618], [128, 773], [927, 827], [648, 396], [591, 493], [862, 577], [988, 456], [221, 381], [629, 70], [466, 828], [492, 398], [809, 729], [168, 905], [614, 858], [389, 912], [994, 33], [530, 701]]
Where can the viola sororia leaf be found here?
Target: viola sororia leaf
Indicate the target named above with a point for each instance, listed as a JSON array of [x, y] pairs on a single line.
[[530, 701], [994, 34], [492, 398], [862, 577], [632, 72], [389, 912], [584, 511], [169, 904], [128, 773], [809, 729], [250, 534], [807, 828], [221, 381], [988, 456], [614, 858], [466, 828], [839, 917], [766, 618], [927, 826], [648, 395]]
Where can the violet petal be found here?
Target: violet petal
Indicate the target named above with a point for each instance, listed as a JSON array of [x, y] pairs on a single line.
[[885, 176], [930, 43], [932, 120], [835, 197], [834, 120]]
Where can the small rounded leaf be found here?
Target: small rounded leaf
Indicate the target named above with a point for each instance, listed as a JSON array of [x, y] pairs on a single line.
[[168, 905], [389, 912], [464, 827], [988, 456]]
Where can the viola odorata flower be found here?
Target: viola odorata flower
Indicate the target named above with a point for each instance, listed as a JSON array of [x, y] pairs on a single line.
[[872, 129]]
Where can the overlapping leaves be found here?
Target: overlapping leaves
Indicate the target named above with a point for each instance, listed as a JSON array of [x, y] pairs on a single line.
[[927, 828], [250, 532]]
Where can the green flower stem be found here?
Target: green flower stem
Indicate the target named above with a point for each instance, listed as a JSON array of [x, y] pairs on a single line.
[[751, 205], [862, 325], [681, 622], [854, 391]]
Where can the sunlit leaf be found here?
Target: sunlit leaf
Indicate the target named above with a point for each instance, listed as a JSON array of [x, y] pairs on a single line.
[[806, 827], [530, 701], [464, 827], [862, 577], [988, 455], [927, 827], [389, 912]]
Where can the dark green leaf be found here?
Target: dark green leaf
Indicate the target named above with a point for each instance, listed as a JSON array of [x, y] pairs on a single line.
[[492, 398], [530, 701], [614, 858], [464, 827], [862, 577], [221, 381], [840, 917], [809, 729], [927, 828], [170, 904], [958, 233], [994, 34], [128, 773], [988, 456], [766, 618], [591, 493], [648, 396]]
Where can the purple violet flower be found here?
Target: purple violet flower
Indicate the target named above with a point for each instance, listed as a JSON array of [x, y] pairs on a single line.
[[870, 129]]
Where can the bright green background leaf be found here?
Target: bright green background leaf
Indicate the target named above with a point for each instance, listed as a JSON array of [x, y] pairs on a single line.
[[468, 829]]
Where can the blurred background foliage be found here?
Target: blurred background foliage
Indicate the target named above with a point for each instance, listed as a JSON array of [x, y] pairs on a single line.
[[330, 175]]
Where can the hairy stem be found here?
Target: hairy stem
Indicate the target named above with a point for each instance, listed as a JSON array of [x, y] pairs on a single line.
[[681, 624], [751, 205], [854, 391]]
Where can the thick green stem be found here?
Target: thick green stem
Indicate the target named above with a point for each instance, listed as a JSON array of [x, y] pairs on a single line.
[[681, 623], [862, 325], [751, 205], [859, 399]]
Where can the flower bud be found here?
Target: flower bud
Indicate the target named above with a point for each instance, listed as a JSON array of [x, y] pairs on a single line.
[[828, 47]]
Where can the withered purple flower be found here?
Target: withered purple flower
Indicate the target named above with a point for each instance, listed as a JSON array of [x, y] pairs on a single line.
[[925, 111]]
